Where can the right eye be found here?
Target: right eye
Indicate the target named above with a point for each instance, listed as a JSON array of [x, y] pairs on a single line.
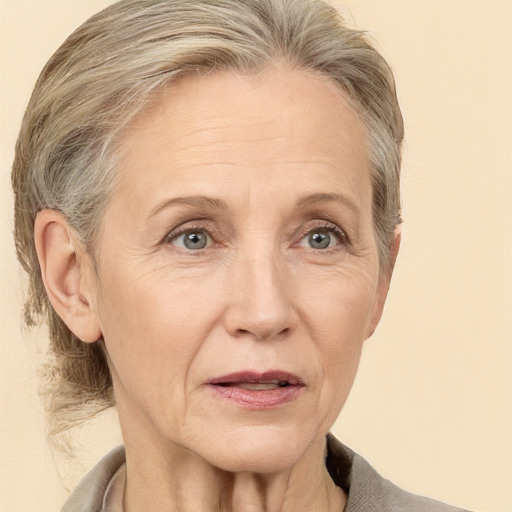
[[192, 239]]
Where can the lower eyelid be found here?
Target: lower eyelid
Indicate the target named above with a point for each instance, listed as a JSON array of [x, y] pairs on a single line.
[[328, 228], [170, 238], [209, 238]]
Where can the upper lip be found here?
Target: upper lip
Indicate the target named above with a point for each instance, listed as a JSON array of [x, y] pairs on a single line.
[[275, 376]]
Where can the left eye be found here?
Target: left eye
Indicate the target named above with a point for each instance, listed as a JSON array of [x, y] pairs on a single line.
[[322, 238], [192, 240]]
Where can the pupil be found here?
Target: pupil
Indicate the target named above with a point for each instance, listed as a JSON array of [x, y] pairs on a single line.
[[320, 240], [195, 241]]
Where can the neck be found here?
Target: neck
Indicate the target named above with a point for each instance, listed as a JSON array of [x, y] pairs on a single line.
[[176, 479]]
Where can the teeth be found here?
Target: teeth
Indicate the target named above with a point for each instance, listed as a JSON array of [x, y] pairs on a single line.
[[258, 386]]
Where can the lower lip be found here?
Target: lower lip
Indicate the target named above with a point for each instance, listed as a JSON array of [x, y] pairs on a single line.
[[263, 399]]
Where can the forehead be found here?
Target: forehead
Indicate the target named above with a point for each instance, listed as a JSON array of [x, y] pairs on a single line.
[[272, 124]]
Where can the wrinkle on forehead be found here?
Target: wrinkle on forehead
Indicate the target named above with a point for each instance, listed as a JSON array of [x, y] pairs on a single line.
[[225, 126], [197, 114]]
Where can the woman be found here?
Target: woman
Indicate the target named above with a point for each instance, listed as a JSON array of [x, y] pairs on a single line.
[[207, 204]]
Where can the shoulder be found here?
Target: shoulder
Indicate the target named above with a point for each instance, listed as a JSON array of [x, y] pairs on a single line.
[[370, 491], [90, 493]]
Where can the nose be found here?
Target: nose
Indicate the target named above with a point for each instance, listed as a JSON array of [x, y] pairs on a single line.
[[260, 305]]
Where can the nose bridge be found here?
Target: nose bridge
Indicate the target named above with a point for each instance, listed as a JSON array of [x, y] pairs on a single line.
[[261, 304]]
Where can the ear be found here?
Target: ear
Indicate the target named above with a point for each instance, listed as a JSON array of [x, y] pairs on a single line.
[[68, 274], [384, 282]]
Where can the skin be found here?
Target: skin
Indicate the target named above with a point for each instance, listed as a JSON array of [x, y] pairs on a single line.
[[261, 295]]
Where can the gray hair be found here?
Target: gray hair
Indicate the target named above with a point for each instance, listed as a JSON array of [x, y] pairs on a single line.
[[105, 73]]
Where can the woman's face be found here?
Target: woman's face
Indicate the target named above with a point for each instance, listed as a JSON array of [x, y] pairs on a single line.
[[237, 272]]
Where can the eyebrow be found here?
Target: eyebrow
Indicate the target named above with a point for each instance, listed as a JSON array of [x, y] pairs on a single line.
[[321, 197], [305, 201], [197, 201]]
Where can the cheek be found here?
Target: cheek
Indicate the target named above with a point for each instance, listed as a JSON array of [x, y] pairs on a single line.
[[153, 327], [338, 318], [340, 304]]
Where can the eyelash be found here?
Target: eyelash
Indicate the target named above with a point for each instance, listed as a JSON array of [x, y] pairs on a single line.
[[327, 227], [324, 227], [190, 228]]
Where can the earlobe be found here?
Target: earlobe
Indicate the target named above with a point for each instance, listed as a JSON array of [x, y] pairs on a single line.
[[67, 274], [384, 282]]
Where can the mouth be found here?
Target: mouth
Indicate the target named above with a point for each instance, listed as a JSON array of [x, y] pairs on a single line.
[[255, 390]]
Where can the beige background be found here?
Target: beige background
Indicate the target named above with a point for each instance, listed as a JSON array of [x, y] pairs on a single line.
[[432, 404]]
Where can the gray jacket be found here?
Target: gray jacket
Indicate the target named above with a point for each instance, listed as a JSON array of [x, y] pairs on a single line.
[[367, 491]]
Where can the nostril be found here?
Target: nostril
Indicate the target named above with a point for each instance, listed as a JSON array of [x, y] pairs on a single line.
[[265, 335]]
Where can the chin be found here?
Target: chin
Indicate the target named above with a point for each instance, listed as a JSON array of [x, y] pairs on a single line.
[[262, 449]]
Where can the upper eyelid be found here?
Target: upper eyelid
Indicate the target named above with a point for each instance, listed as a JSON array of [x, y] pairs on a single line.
[[185, 228], [326, 224], [302, 231]]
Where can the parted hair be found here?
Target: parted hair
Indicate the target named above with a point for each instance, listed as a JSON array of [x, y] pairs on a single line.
[[104, 75]]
